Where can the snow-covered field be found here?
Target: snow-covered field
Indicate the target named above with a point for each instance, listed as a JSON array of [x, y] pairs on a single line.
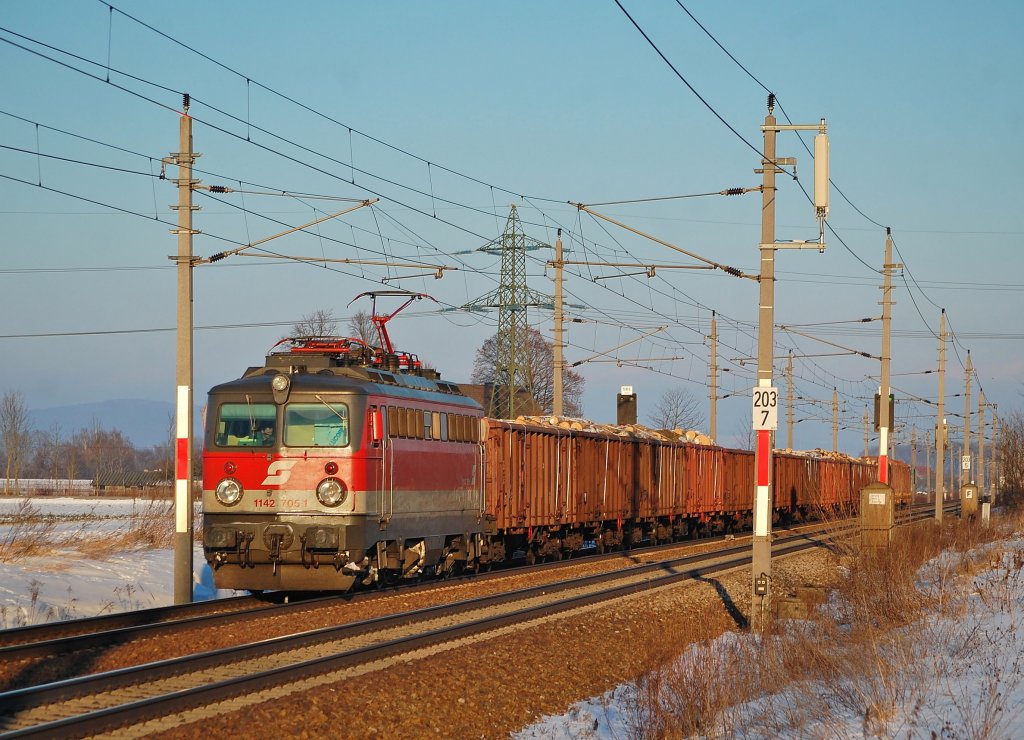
[[65, 583], [966, 680]]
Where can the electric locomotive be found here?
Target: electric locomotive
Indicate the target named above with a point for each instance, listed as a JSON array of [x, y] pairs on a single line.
[[336, 462]]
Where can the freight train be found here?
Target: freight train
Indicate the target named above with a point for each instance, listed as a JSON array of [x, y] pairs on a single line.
[[336, 463]]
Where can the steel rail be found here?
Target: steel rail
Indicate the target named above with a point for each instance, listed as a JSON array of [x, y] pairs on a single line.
[[155, 615]]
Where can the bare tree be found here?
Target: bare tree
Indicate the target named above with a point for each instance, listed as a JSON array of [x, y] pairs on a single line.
[[70, 461], [677, 409], [169, 446], [53, 441], [744, 437], [540, 355], [14, 434], [361, 325], [1011, 454], [47, 454], [319, 323], [106, 455]]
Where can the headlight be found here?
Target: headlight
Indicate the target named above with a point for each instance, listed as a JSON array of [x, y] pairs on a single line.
[[229, 492], [279, 383], [331, 492]]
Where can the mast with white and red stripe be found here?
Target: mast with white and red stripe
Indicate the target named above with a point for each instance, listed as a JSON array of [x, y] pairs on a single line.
[[884, 420], [184, 159], [765, 396]]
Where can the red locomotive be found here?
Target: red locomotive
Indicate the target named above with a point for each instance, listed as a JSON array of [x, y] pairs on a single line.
[[336, 462]]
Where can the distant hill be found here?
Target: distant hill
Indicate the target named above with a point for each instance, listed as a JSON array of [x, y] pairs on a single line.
[[145, 423]]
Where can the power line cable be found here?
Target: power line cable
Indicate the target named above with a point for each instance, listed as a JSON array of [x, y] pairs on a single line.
[[316, 112], [269, 149], [685, 81]]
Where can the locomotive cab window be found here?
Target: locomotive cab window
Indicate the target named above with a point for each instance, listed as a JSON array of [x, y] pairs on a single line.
[[246, 425], [316, 425]]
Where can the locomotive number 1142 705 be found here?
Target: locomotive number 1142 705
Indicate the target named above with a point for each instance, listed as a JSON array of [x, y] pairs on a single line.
[[285, 503]]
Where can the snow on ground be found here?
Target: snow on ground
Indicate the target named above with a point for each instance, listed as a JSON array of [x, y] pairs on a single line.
[[46, 589], [68, 585], [967, 681]]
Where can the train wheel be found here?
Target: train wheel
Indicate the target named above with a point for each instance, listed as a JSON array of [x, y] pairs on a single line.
[[385, 578], [450, 567]]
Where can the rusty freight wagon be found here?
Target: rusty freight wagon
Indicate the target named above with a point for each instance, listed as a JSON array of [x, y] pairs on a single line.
[[549, 491]]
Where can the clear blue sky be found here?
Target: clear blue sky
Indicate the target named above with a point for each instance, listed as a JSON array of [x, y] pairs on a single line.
[[537, 103]]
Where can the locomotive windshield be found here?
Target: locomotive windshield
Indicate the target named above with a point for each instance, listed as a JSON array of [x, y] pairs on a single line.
[[316, 425], [246, 425]]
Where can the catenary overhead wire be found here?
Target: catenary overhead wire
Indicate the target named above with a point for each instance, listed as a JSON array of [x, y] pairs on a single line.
[[955, 340], [314, 111], [722, 119], [685, 81]]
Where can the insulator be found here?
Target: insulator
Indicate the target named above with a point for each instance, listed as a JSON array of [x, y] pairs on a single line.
[[735, 272], [218, 189], [771, 102], [217, 257], [185, 100], [821, 173], [734, 191]]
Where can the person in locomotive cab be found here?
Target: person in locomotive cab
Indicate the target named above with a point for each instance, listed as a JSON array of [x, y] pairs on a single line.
[[265, 437]]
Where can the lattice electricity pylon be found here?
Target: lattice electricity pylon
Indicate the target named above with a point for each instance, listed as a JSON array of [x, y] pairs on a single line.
[[512, 371]]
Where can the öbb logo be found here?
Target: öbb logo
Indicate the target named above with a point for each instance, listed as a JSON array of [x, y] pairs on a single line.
[[278, 472]]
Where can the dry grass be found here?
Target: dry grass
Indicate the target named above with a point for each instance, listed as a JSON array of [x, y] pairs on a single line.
[[859, 655], [150, 526], [28, 532], [37, 611]]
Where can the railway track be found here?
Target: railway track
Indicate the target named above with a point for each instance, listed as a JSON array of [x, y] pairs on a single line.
[[52, 641], [103, 701], [56, 639], [38, 633], [52, 637]]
